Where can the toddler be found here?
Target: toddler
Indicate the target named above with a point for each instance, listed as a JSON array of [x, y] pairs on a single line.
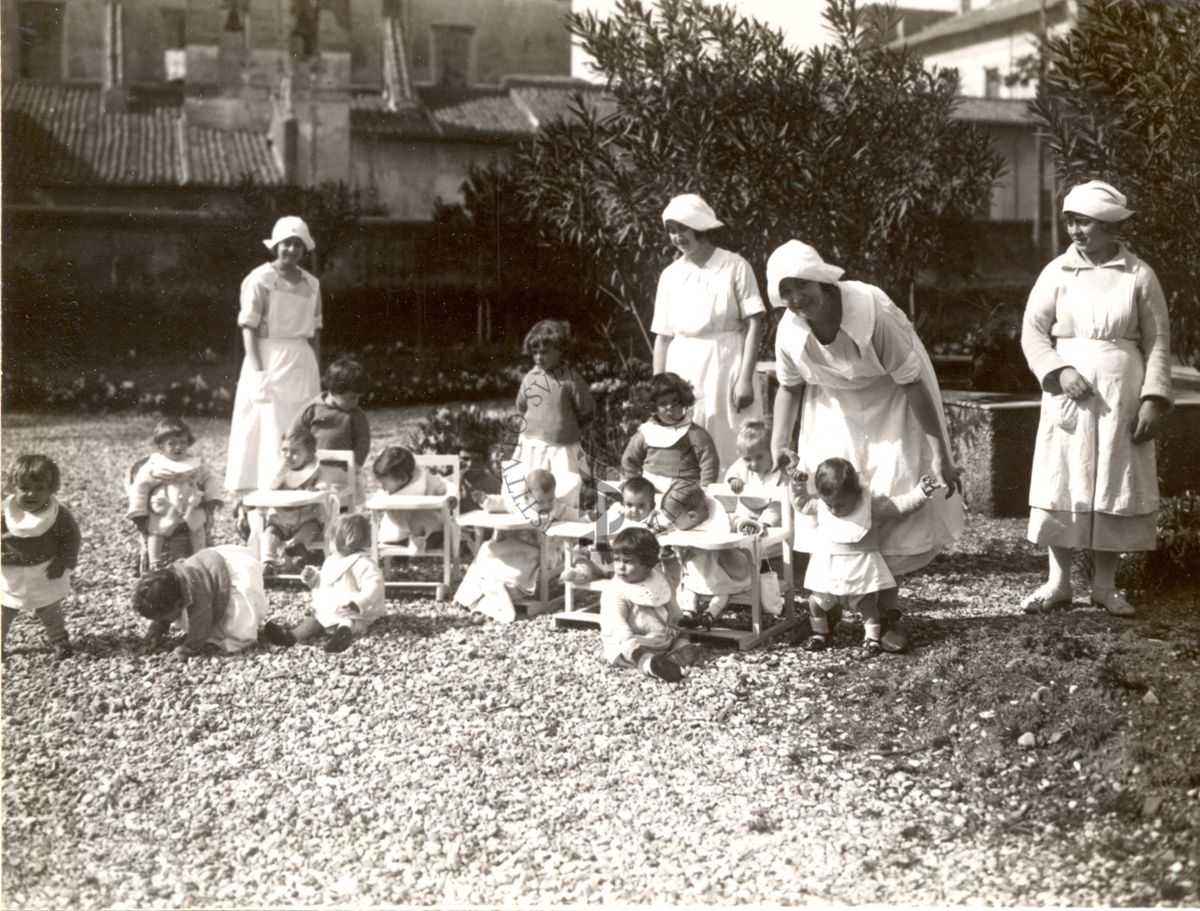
[[347, 592], [849, 571], [476, 474], [296, 531], [715, 574], [669, 447], [556, 405], [754, 469], [335, 418], [40, 548], [398, 473], [215, 596], [172, 489], [507, 566], [634, 511], [639, 619]]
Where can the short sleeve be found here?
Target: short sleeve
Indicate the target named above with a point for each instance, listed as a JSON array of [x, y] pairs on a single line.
[[789, 348], [661, 323], [895, 342], [750, 302], [253, 300]]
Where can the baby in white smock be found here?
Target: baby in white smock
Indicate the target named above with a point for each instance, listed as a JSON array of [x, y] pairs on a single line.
[[848, 571]]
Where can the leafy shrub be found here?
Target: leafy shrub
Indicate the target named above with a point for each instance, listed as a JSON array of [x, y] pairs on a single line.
[[447, 430], [1176, 560], [997, 361]]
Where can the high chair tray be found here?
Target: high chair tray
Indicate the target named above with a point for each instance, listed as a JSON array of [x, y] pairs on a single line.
[[705, 540], [501, 520], [579, 529], [282, 499], [382, 500]]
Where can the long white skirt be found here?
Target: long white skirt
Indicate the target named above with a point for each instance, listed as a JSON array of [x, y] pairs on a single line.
[[564, 462], [247, 609], [258, 427], [712, 364]]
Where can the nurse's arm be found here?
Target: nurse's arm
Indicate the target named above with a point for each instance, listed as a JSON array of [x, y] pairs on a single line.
[[925, 410], [661, 344], [743, 394], [787, 406], [315, 341], [250, 342]]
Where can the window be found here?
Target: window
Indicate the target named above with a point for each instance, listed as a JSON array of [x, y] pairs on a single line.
[[452, 54], [991, 82], [40, 31]]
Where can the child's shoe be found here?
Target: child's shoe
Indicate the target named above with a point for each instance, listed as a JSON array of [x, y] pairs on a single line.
[[416, 545], [871, 648], [895, 636], [659, 666], [815, 643], [270, 568], [696, 619], [687, 655], [277, 635], [339, 641]]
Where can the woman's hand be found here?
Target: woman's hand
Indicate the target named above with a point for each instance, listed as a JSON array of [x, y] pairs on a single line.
[[947, 472], [743, 394], [1073, 385], [1149, 415]]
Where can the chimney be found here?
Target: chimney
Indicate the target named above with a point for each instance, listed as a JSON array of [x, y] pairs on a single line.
[[113, 95], [397, 79], [452, 54]]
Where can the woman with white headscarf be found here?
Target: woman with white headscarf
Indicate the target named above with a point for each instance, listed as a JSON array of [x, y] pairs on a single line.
[[1096, 335], [708, 323], [869, 396], [280, 320]]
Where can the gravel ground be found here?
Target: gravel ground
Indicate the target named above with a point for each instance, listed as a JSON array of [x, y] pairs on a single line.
[[447, 761]]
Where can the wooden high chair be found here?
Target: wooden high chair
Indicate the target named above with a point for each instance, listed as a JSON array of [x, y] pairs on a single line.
[[381, 502]]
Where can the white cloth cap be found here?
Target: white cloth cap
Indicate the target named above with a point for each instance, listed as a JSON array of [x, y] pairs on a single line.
[[797, 260], [689, 209], [1097, 199], [290, 226]]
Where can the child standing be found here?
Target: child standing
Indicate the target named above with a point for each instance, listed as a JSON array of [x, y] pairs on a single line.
[[715, 574], [398, 473], [347, 592], [335, 418], [40, 548], [849, 571], [507, 566], [173, 489], [669, 447], [296, 531], [215, 596], [556, 404], [754, 469], [639, 619]]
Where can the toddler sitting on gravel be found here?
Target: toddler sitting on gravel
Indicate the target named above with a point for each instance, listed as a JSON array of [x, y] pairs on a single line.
[[639, 619], [347, 592]]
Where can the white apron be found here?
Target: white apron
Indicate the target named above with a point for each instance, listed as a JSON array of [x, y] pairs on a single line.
[[712, 364], [1085, 459]]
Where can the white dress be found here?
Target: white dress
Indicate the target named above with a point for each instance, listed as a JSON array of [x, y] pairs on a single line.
[[1091, 485], [247, 610], [850, 562], [703, 309], [855, 408], [285, 316]]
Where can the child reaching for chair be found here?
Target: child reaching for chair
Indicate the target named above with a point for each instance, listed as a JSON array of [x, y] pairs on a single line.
[[40, 549], [848, 571], [172, 490], [347, 591]]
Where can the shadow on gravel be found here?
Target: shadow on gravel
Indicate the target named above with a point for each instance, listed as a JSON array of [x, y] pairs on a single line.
[[406, 625]]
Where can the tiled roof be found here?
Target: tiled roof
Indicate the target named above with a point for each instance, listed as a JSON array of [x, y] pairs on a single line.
[[994, 110], [995, 13], [513, 110], [58, 134]]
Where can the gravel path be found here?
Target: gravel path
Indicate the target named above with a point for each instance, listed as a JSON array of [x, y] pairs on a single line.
[[446, 761]]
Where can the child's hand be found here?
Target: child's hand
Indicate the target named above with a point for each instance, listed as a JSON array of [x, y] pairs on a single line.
[[799, 484], [929, 484], [55, 568], [737, 485], [350, 609], [748, 526], [479, 497], [310, 576], [452, 503]]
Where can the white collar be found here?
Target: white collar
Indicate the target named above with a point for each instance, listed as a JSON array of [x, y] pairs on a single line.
[[161, 463], [296, 478], [337, 565], [1123, 259], [846, 529], [858, 316], [653, 591], [661, 436], [22, 524]]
